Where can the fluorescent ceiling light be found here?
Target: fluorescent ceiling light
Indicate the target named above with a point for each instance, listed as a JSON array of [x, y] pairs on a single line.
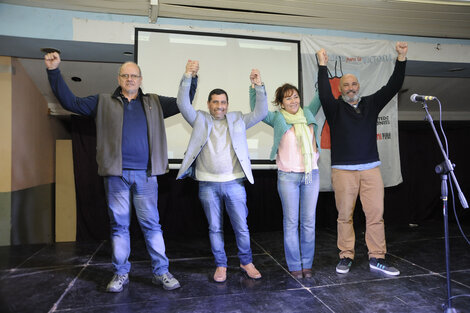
[[454, 2], [144, 36], [196, 40], [249, 44]]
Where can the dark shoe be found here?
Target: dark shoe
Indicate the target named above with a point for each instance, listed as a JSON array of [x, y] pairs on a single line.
[[251, 271], [297, 274], [220, 274], [344, 265], [167, 280], [117, 283], [383, 266], [307, 272]]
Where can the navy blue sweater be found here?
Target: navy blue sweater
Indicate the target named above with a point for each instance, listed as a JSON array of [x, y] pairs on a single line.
[[353, 134]]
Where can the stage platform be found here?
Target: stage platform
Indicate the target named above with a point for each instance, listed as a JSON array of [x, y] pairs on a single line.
[[72, 277]]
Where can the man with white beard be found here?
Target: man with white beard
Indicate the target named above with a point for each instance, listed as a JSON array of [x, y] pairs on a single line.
[[355, 158]]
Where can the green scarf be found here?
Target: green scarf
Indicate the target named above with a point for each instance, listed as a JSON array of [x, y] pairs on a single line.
[[304, 139]]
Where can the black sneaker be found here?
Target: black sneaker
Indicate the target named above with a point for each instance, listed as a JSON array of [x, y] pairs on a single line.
[[382, 265], [344, 265]]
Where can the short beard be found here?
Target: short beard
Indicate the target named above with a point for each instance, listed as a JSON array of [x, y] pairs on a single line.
[[352, 99]]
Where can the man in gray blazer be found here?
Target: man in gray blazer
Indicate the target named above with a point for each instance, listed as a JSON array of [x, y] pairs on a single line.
[[217, 157]]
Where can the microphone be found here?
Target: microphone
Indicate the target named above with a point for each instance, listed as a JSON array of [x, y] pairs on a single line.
[[415, 98]]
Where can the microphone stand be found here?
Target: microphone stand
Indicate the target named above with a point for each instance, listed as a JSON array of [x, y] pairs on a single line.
[[444, 169]]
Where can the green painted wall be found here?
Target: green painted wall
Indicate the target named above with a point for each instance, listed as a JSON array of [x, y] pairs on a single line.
[[5, 218], [32, 215]]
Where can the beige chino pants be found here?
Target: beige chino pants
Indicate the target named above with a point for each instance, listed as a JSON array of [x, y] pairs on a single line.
[[368, 184]]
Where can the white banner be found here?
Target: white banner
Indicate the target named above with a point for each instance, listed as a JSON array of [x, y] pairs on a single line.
[[372, 61]]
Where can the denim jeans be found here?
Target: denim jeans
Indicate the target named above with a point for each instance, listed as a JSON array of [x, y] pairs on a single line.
[[142, 190], [213, 196], [299, 202]]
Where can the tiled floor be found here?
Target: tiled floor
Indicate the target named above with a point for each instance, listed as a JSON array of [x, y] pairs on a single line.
[[71, 277]]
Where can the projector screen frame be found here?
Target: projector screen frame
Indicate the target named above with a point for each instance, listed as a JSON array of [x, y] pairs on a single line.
[[258, 162]]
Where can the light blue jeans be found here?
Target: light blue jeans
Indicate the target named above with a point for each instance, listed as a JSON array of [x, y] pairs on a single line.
[[299, 202], [134, 187], [213, 196]]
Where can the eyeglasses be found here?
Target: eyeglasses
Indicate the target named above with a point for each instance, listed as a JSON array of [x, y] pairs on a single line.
[[126, 76]]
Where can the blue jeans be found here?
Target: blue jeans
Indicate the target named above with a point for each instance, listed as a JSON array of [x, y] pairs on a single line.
[[299, 202], [213, 195], [134, 187]]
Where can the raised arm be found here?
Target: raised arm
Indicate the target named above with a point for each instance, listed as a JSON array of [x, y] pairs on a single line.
[[402, 50], [322, 57], [84, 106], [169, 104], [325, 94], [252, 93], [387, 92], [183, 100], [261, 103], [52, 60]]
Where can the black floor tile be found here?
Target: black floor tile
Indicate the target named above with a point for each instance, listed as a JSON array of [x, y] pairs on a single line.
[[430, 253], [278, 301], [195, 277], [14, 256], [60, 254], [31, 290], [462, 277], [417, 294]]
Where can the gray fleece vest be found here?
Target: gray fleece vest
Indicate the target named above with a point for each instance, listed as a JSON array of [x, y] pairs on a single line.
[[109, 120]]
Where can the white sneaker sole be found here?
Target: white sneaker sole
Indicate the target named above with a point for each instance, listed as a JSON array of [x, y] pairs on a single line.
[[117, 290], [158, 282], [342, 271], [384, 271]]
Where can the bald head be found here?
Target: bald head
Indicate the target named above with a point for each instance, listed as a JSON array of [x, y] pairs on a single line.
[[348, 77], [349, 88], [129, 63], [129, 79]]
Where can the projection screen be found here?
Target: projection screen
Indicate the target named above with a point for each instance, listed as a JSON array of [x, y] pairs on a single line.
[[225, 62]]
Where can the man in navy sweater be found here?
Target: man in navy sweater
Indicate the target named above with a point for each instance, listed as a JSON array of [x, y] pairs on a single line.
[[131, 152], [355, 159]]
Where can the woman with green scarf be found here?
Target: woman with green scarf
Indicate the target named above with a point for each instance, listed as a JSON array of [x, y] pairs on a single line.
[[296, 150]]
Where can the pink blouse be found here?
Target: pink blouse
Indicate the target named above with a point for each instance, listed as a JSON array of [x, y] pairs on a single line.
[[289, 155]]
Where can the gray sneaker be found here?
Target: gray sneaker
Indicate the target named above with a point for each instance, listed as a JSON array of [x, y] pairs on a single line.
[[117, 283], [382, 266], [344, 265], [167, 280]]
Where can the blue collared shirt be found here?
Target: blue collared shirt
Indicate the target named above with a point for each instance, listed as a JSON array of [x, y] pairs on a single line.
[[357, 167]]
